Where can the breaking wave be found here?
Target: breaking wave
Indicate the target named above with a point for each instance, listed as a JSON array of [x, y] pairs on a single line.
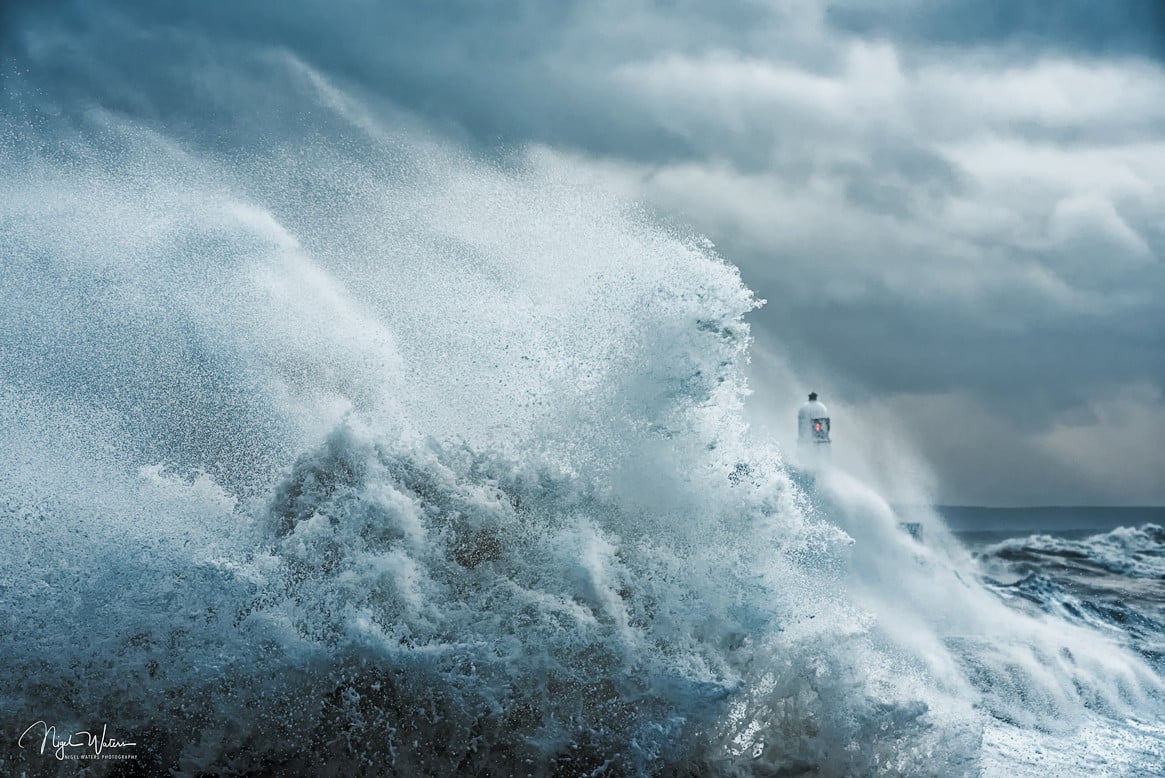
[[1112, 582]]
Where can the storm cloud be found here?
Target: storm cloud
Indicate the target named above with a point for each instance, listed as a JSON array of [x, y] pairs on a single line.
[[953, 208]]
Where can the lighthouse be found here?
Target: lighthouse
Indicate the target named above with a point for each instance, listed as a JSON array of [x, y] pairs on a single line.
[[813, 423], [813, 433]]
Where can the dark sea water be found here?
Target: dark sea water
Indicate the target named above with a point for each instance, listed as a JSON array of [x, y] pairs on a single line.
[[1101, 569], [1099, 566], [976, 525]]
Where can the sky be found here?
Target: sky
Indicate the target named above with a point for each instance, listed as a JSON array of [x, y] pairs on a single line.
[[951, 207]]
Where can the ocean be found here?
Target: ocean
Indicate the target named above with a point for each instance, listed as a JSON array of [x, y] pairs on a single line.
[[329, 446], [1099, 567], [1104, 566]]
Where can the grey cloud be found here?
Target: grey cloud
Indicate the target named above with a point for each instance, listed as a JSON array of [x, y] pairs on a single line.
[[1073, 26], [1096, 453]]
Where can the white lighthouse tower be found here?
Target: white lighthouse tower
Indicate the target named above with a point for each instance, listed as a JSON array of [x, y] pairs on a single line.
[[813, 430]]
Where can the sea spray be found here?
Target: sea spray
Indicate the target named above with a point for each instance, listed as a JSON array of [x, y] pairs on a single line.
[[544, 542]]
